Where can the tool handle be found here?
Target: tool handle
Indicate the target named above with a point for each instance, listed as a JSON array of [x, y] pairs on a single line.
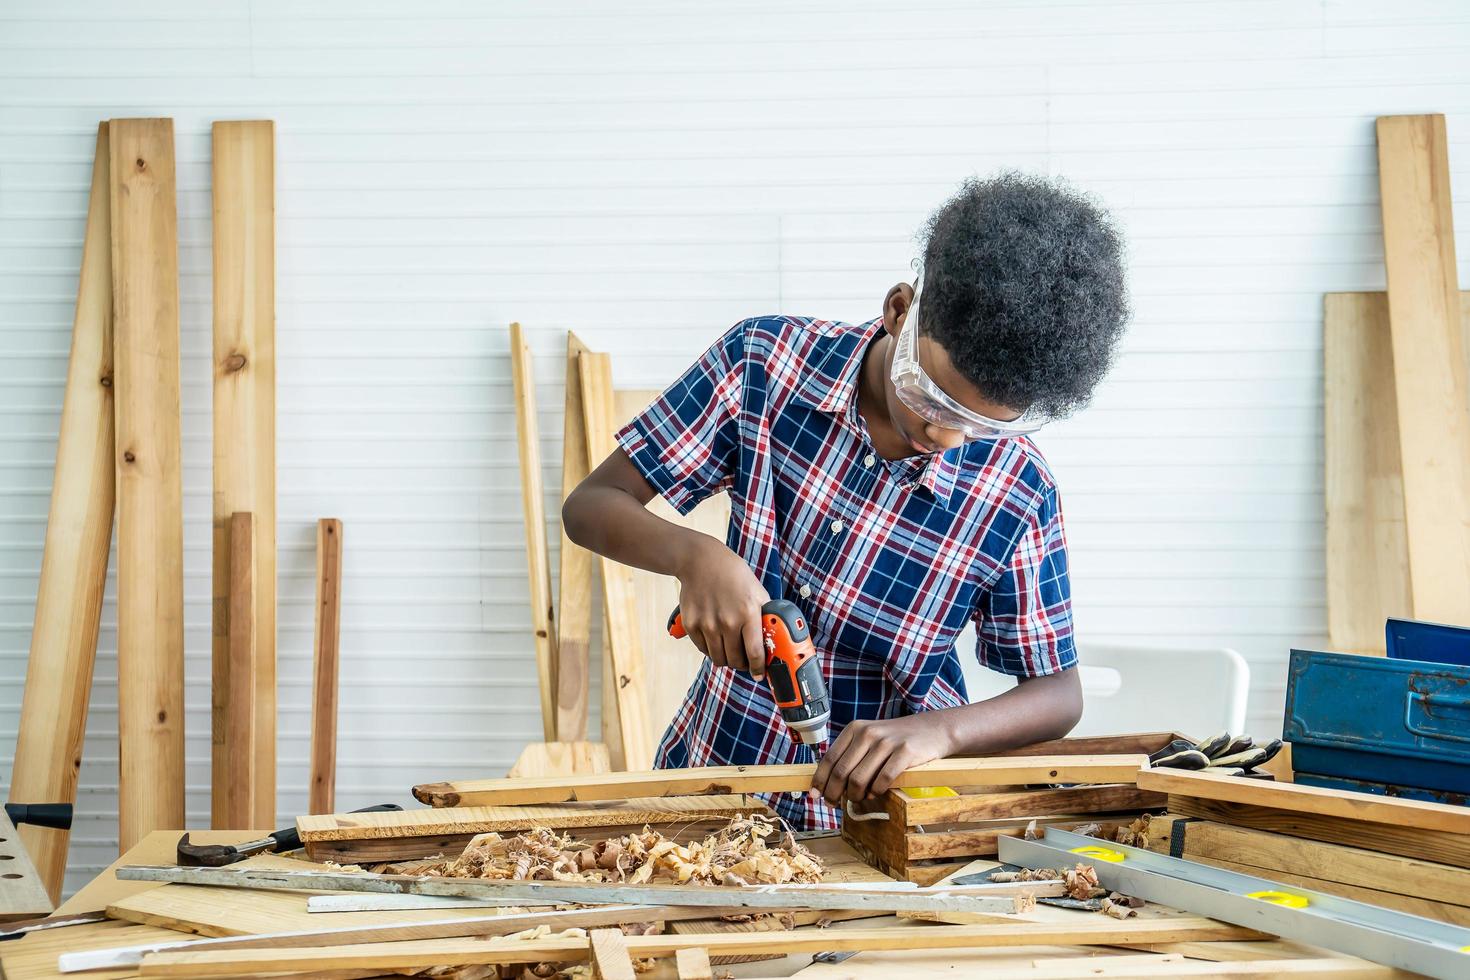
[[289, 840], [54, 815]]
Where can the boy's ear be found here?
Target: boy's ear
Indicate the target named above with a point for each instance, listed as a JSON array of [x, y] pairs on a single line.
[[895, 305]]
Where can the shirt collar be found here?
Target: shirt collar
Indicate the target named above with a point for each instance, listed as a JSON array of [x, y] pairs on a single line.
[[830, 386]]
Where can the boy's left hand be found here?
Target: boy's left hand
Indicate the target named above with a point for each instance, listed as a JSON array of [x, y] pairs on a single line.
[[868, 756]]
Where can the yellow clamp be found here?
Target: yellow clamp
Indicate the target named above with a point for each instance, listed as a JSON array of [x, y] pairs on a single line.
[[1099, 853], [927, 792], [1281, 898]]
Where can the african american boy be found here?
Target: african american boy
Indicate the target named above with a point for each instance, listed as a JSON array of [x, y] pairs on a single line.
[[880, 477]]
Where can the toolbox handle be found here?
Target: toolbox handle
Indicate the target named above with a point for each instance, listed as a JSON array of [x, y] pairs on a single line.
[[1427, 703]]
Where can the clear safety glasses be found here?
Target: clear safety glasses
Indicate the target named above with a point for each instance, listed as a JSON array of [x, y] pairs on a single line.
[[930, 402]]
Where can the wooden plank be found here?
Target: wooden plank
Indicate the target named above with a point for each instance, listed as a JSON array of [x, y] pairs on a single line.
[[323, 790], [239, 691], [1097, 930], [245, 437], [621, 649], [1310, 799], [23, 893], [775, 779], [533, 511], [608, 949], [693, 964], [389, 927], [1352, 866], [980, 841], [1367, 554], [34, 956], [150, 548], [678, 660], [53, 712], [1429, 368], [1132, 743], [574, 602], [1443, 847], [1025, 803], [484, 819], [544, 759], [976, 898]]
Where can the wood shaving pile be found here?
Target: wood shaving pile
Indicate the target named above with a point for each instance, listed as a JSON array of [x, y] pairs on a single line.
[[739, 854], [1081, 881], [1135, 834]]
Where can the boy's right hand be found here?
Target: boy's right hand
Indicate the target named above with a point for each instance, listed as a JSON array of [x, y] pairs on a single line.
[[720, 601]]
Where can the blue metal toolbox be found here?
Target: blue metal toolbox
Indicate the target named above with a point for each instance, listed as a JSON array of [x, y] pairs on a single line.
[[1413, 639], [1402, 723], [1382, 789]]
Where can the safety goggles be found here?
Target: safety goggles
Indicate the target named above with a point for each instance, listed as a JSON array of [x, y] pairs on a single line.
[[930, 402]]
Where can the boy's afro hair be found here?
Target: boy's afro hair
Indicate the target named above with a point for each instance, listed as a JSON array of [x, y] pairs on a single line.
[[1024, 288]]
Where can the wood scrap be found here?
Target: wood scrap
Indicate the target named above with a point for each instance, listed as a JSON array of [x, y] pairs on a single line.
[[322, 793], [533, 511], [237, 713], [23, 893], [693, 964], [775, 779], [1297, 797], [53, 711], [150, 532], [1430, 377], [453, 952], [244, 451], [609, 954]]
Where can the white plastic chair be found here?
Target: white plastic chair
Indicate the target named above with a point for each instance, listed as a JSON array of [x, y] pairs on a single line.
[[1191, 690], [1126, 688]]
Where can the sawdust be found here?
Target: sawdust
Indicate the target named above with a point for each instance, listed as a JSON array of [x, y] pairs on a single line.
[[1081, 881], [739, 854]]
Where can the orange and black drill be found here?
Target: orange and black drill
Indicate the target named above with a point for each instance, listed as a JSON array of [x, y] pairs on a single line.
[[793, 669]]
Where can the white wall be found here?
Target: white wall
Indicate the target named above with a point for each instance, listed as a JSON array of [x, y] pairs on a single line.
[[647, 174]]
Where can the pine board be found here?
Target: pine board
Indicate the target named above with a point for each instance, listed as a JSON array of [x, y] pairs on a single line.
[[322, 793], [779, 778], [53, 714], [1429, 369], [150, 530], [1410, 814], [34, 957], [244, 415], [577, 574], [1431, 845]]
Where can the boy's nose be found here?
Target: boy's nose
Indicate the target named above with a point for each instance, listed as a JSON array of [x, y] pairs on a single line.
[[944, 438]]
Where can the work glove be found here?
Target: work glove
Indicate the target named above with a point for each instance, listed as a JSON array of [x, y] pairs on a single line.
[[1226, 754]]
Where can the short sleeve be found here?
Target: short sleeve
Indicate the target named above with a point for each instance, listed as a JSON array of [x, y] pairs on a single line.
[[687, 443], [1024, 622]]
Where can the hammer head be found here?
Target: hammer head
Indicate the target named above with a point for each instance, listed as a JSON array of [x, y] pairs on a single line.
[[207, 855]]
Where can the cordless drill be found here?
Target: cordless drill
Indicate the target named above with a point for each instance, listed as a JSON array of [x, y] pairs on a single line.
[[793, 669]]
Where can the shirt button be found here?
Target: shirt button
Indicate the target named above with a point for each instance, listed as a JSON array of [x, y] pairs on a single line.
[[837, 527], [869, 460], [805, 591]]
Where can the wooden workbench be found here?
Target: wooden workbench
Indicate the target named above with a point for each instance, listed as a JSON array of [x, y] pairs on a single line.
[[34, 957]]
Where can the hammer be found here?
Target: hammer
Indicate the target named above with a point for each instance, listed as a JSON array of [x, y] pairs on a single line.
[[218, 855]]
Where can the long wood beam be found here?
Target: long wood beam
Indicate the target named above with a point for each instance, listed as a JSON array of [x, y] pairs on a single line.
[[1098, 931], [776, 779]]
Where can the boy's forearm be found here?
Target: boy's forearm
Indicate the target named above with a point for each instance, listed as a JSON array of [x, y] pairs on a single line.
[[1035, 710], [612, 522]]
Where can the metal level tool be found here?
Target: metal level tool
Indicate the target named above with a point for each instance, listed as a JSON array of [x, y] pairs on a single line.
[[1409, 942]]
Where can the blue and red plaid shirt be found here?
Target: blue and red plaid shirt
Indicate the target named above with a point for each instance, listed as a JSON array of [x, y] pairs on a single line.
[[888, 560]]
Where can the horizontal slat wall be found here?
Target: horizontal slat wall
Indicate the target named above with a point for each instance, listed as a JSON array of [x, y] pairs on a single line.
[[649, 174]]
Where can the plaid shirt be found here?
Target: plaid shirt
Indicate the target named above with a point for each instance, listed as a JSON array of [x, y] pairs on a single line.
[[888, 560]]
